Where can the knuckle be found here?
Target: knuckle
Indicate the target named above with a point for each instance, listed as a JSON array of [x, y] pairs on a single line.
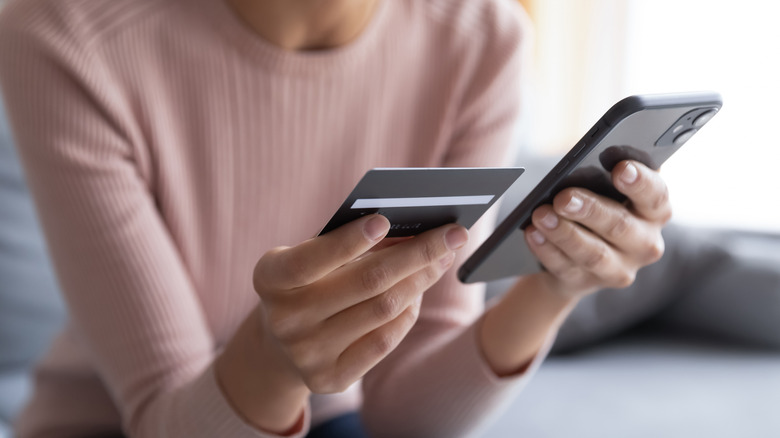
[[414, 312], [341, 379], [656, 250], [319, 382], [263, 269], [569, 241], [429, 253], [303, 356], [284, 326], [419, 281], [596, 257], [292, 267], [299, 358], [428, 277], [383, 343], [346, 249], [328, 381], [666, 216], [570, 275], [280, 325], [375, 278], [624, 279], [661, 201], [259, 282], [410, 318], [338, 385], [620, 225], [386, 306], [424, 278]]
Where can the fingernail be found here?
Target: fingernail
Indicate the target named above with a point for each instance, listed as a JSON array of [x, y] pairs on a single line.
[[447, 260], [630, 174], [575, 204], [537, 237], [455, 238], [375, 228], [550, 220]]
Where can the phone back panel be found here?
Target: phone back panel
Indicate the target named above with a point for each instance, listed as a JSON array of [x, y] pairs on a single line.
[[648, 129]]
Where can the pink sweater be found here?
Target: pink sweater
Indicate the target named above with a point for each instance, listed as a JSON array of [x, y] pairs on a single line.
[[168, 147]]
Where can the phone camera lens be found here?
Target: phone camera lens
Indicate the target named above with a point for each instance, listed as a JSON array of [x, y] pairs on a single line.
[[685, 136], [704, 118]]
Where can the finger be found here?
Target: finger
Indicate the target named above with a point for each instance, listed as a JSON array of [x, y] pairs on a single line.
[[291, 267], [347, 326], [611, 221], [330, 338], [379, 271], [367, 277], [586, 250], [550, 256], [645, 188], [366, 352], [387, 242]]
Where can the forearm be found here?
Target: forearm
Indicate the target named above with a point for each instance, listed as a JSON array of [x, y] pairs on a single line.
[[436, 388], [514, 330], [438, 381], [260, 388]]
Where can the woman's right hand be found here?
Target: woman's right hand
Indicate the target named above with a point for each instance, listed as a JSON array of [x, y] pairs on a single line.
[[331, 308], [334, 310]]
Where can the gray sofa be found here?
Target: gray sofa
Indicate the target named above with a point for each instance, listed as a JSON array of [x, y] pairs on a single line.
[[704, 362]]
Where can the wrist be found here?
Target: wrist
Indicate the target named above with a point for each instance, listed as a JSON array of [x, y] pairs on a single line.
[[258, 382], [515, 329], [548, 284]]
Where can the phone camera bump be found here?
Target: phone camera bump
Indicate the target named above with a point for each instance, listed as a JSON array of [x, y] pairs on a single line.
[[703, 118], [685, 136], [687, 125]]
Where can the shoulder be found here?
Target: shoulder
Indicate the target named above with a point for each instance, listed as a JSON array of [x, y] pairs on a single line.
[[475, 38], [481, 23], [85, 22]]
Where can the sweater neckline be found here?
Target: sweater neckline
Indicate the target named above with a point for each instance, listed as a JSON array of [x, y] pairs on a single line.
[[277, 59]]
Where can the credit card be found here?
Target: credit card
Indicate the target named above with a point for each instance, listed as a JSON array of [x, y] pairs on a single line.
[[415, 200]]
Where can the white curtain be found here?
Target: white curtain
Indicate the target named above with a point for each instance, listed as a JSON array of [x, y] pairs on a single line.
[[579, 71]]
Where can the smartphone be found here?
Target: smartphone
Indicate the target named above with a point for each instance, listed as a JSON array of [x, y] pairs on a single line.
[[645, 128]]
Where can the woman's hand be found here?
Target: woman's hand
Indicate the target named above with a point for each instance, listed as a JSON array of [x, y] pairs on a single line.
[[331, 308], [587, 242], [334, 311]]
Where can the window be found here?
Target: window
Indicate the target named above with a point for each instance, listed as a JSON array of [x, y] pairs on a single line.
[[729, 173]]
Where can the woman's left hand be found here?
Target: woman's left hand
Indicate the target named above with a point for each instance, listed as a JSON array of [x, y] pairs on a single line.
[[587, 242]]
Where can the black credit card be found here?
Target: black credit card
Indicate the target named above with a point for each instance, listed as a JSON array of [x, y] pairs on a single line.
[[415, 200]]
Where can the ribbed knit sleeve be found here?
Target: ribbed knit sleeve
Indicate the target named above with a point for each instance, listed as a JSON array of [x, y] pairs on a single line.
[[125, 285], [437, 381]]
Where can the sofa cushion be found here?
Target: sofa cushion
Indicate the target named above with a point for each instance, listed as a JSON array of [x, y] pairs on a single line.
[[649, 384]]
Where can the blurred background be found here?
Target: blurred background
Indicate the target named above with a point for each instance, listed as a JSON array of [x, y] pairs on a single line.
[[591, 53]]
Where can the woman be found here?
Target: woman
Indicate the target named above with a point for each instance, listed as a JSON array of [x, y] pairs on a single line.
[[183, 152]]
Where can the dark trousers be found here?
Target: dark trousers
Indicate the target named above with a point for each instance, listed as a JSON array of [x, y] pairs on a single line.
[[345, 426]]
